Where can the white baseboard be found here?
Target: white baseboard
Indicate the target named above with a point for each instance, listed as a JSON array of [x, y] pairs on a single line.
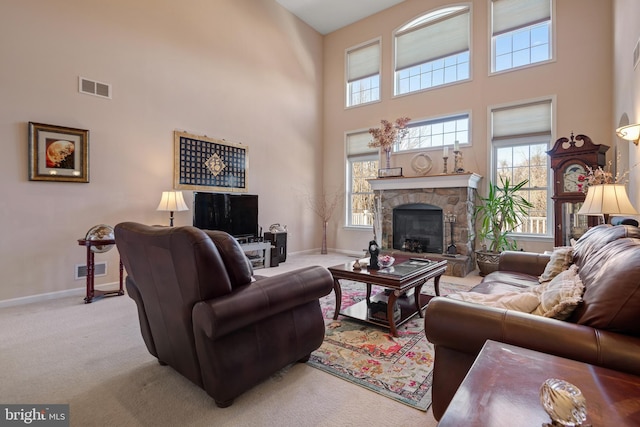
[[80, 292]]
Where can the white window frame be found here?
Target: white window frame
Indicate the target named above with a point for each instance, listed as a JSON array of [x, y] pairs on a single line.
[[519, 26], [363, 69], [361, 153], [518, 140], [423, 53], [445, 139]]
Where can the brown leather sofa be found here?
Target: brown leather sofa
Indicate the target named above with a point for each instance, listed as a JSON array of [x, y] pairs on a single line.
[[604, 330], [202, 312]]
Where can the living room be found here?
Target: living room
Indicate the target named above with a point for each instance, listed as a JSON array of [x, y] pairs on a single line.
[[275, 86], [250, 72]]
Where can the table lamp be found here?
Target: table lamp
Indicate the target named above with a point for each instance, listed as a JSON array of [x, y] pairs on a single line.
[[172, 201], [605, 200]]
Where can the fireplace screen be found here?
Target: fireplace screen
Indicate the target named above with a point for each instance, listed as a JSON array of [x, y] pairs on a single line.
[[418, 228]]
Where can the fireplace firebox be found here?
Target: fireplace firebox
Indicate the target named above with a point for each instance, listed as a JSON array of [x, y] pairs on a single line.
[[418, 227]]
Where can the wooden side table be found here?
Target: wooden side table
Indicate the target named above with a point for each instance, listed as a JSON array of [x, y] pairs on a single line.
[[502, 389], [91, 291]]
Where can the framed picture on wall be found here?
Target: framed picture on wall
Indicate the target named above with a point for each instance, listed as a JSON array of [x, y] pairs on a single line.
[[58, 153], [208, 164]]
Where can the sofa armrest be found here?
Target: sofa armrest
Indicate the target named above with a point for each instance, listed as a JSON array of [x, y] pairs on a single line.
[[523, 262], [260, 300], [465, 327]]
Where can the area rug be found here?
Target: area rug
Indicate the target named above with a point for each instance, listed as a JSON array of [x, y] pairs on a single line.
[[399, 368]]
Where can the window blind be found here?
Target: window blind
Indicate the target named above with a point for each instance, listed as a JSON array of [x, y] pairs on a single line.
[[363, 62], [522, 120], [432, 40], [509, 15], [358, 144]]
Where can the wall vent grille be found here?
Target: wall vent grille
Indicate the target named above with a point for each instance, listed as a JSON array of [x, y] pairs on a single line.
[[100, 269], [636, 55], [92, 87]]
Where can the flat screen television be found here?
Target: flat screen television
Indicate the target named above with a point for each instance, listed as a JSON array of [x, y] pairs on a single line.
[[236, 214]]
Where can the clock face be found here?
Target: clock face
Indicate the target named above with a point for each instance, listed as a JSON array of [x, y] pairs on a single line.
[[571, 178]]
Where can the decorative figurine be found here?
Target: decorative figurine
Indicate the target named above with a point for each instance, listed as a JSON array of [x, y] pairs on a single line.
[[374, 251], [356, 265]]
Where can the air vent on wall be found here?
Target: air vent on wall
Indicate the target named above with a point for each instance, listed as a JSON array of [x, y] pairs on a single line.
[[636, 55], [92, 87], [100, 269]]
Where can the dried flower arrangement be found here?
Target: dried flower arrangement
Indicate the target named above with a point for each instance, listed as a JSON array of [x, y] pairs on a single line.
[[388, 133], [600, 176]]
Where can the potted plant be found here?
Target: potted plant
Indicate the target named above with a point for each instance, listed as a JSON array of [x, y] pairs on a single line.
[[498, 214]]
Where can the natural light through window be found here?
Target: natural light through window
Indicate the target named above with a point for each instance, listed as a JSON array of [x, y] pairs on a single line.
[[362, 164], [433, 50], [436, 133], [521, 33], [363, 74]]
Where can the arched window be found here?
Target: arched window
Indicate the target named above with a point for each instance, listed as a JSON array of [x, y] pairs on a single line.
[[433, 50]]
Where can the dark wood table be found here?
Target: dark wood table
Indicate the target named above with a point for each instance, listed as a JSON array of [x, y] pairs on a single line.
[[91, 291], [398, 290], [502, 389]]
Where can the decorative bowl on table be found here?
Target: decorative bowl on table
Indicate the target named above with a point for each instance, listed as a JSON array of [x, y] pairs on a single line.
[[385, 260], [564, 402]]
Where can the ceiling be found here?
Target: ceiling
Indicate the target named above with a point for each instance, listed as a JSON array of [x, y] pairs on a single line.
[[329, 15]]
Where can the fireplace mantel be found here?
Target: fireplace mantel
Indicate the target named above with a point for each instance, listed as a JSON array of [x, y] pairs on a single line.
[[457, 180]]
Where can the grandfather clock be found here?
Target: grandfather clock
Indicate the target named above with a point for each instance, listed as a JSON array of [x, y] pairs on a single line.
[[570, 159]]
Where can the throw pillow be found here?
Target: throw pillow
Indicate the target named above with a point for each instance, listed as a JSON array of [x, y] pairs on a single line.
[[525, 302], [560, 296], [561, 259]]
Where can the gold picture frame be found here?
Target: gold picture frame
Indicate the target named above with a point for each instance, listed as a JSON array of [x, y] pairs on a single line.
[[58, 153]]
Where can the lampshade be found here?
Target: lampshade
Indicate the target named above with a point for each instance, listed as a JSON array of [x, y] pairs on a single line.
[[629, 132], [607, 199], [172, 201]]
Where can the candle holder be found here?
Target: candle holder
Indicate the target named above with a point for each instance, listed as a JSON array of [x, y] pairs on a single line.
[[445, 158], [458, 167]]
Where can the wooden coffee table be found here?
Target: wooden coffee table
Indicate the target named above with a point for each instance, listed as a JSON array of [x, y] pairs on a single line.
[[502, 389], [398, 290]]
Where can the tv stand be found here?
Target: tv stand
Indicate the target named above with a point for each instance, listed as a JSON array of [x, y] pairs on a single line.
[[263, 259]]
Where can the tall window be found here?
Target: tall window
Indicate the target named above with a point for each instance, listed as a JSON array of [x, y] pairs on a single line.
[[363, 74], [440, 132], [521, 33], [432, 50], [521, 136], [362, 164]]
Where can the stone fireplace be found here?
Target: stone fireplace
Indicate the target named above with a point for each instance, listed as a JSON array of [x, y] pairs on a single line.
[[413, 213]]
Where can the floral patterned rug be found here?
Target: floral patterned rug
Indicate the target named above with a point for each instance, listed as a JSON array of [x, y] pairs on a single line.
[[400, 368]]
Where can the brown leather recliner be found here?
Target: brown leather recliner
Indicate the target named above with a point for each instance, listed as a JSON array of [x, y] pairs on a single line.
[[202, 312], [604, 330]]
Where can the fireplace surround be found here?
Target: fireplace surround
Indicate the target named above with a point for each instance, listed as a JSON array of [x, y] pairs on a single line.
[[445, 194]]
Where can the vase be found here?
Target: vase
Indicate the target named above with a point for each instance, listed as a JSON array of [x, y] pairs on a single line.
[[323, 251], [387, 152]]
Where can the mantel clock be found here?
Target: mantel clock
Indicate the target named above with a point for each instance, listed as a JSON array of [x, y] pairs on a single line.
[[571, 158]]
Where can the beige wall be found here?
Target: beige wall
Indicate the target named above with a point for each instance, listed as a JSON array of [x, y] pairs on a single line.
[[243, 70], [580, 80], [627, 89]]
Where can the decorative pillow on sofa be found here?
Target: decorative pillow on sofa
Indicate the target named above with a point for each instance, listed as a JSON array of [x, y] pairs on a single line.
[[560, 297], [561, 259], [519, 301]]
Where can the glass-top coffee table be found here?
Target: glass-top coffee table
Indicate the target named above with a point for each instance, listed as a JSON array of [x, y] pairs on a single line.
[[406, 276]]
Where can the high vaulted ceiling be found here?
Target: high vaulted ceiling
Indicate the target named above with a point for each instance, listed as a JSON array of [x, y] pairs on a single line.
[[329, 15]]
